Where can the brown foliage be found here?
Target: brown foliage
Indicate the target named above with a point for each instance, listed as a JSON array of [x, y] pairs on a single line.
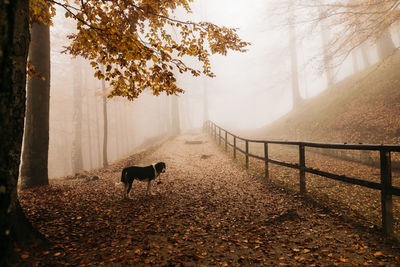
[[207, 211]]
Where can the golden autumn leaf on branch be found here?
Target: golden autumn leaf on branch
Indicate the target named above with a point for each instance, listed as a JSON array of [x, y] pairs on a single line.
[[140, 43]]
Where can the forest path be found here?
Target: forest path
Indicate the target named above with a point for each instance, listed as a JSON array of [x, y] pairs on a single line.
[[207, 211]]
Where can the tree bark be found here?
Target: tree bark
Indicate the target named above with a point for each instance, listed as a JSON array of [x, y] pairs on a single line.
[[385, 45], [14, 42], [34, 170], [326, 58], [77, 159]]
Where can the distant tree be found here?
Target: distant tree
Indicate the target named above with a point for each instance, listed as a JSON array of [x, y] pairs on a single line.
[[105, 124], [293, 58], [15, 229], [356, 67], [77, 158], [175, 118], [205, 101], [385, 44], [325, 48], [364, 54]]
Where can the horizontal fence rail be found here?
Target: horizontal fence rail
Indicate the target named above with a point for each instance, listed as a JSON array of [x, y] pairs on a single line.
[[385, 185]]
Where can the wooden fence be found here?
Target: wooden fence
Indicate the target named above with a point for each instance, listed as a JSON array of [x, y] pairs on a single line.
[[385, 185]]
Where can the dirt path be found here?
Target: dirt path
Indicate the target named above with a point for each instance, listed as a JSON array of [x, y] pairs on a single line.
[[207, 211]]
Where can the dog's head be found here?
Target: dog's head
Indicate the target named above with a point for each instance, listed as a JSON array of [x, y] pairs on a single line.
[[160, 167]]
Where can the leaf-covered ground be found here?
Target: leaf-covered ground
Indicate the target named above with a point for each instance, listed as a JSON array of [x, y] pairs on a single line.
[[207, 211]]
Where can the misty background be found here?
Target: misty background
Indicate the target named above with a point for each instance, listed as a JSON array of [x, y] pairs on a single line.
[[250, 89]]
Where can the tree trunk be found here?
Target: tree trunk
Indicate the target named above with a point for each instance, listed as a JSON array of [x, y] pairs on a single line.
[[77, 159], [293, 60], [98, 152], [89, 132], [364, 54], [14, 42], [105, 119], [356, 68], [205, 101], [385, 45], [326, 59], [34, 170], [176, 128]]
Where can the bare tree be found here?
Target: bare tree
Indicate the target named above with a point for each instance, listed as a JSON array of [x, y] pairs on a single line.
[[353, 23]]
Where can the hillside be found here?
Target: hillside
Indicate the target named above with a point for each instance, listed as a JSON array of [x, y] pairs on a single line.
[[363, 108]]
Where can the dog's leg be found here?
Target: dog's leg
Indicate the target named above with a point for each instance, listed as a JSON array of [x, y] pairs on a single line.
[[149, 188], [129, 189], [125, 190]]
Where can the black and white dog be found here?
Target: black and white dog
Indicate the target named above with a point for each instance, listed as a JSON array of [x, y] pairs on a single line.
[[148, 173]]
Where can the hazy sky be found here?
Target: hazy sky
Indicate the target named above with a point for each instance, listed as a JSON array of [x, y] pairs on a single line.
[[254, 88]]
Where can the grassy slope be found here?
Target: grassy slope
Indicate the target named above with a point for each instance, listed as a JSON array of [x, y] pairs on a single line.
[[363, 108]]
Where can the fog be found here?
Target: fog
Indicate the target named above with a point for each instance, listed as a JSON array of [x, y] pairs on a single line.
[[250, 89]]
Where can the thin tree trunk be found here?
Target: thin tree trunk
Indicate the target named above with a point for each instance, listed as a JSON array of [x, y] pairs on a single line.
[[385, 45], [77, 158], [356, 68], [97, 133], [15, 229], [293, 59], [34, 170], [88, 106], [205, 100], [326, 59], [105, 120], [364, 54], [176, 128]]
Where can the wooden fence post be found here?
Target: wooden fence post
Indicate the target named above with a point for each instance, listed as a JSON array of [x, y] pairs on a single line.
[[302, 159], [386, 195], [234, 146], [247, 154], [266, 160], [226, 141]]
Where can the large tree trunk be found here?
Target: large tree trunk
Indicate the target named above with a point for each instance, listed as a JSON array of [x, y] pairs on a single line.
[[77, 159], [385, 45], [14, 42], [293, 60], [34, 170]]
